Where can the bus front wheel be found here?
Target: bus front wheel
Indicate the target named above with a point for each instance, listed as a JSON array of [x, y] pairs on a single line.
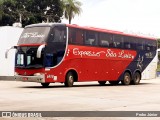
[[126, 79], [69, 79], [45, 84]]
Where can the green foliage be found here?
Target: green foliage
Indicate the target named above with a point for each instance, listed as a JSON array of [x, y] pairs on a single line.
[[8, 14], [158, 67], [29, 11], [1, 2], [36, 11], [71, 8], [46, 10]]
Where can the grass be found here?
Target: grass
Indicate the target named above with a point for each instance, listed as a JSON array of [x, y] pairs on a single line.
[[158, 67]]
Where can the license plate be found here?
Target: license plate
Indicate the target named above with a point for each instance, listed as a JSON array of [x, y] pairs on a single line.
[[25, 78]]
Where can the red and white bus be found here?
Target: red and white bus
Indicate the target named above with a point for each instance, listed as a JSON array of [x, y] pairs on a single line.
[[55, 52]]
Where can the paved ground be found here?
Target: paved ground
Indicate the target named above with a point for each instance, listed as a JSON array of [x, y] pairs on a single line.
[[86, 96]]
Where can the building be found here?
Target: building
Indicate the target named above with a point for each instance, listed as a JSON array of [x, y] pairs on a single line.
[[8, 37]]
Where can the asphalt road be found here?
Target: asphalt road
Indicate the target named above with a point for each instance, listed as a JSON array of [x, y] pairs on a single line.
[[86, 96]]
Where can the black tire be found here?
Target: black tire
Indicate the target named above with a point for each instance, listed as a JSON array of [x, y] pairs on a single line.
[[114, 82], [136, 79], [102, 82], [69, 79], [45, 85], [126, 79]]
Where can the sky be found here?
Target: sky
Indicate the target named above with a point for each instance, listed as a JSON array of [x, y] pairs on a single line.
[[140, 17]]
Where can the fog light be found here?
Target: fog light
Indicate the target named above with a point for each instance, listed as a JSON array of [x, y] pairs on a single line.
[[15, 73]]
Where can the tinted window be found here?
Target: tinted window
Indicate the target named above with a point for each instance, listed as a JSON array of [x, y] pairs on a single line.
[[71, 35], [34, 35], [117, 41], [58, 34], [140, 44], [150, 45], [154, 43], [133, 42], [127, 43], [90, 38], [105, 39], [56, 46], [75, 36]]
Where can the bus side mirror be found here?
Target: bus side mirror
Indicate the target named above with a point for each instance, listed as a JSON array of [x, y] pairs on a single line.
[[39, 51], [6, 53]]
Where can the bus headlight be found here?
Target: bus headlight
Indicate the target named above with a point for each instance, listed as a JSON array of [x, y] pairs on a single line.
[[38, 74], [15, 73]]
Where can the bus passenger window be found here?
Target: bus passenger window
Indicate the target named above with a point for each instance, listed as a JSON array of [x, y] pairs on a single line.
[[149, 45], [127, 43], [90, 38], [104, 43], [140, 44], [75, 36], [133, 42], [117, 41], [105, 39], [140, 47], [72, 35], [154, 45], [79, 37], [58, 34]]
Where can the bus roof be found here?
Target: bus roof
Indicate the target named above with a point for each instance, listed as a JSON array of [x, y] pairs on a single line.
[[110, 31], [44, 25], [90, 28]]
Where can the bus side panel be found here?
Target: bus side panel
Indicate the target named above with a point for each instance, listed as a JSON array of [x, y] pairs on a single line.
[[96, 64], [141, 62]]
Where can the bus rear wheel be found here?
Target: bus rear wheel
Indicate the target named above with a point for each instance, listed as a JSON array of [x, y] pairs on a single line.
[[114, 82], [102, 82], [69, 79], [126, 79], [45, 84], [136, 78]]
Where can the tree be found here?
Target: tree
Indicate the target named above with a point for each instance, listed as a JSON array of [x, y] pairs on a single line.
[[47, 10], [1, 2], [29, 11], [71, 8], [13, 11]]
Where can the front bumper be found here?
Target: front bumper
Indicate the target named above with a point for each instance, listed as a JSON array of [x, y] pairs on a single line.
[[39, 78]]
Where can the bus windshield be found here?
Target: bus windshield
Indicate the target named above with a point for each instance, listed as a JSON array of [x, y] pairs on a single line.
[[26, 58], [34, 35]]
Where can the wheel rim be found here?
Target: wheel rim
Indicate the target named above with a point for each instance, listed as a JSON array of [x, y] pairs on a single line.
[[71, 79], [137, 78], [127, 79]]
